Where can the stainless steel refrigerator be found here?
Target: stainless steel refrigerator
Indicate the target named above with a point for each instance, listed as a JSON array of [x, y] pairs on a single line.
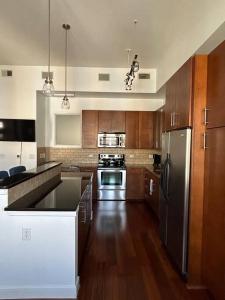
[[174, 195]]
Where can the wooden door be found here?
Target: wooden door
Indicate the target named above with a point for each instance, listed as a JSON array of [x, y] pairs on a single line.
[[214, 214], [146, 140], [216, 87], [118, 121], [89, 128], [132, 129], [183, 95], [135, 184], [104, 121], [170, 105]]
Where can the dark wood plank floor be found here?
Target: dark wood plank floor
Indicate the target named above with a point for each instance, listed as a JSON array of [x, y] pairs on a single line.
[[125, 259]]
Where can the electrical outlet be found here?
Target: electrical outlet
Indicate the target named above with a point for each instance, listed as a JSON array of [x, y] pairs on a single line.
[[131, 155], [26, 234], [150, 156], [90, 155], [42, 155]]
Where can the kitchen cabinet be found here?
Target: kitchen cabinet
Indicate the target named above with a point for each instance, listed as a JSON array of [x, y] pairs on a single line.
[[216, 88], [179, 97], [214, 212], [111, 121], [151, 184], [132, 129], [84, 220], [146, 130], [158, 128], [94, 181], [89, 128], [135, 184]]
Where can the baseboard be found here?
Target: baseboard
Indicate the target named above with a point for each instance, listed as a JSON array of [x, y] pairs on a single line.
[[38, 292]]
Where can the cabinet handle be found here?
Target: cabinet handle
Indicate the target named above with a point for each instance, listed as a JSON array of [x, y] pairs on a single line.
[[205, 141], [171, 119], [174, 119], [151, 186], [205, 111]]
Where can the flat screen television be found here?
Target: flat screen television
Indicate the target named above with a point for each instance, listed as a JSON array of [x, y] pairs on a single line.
[[17, 130]]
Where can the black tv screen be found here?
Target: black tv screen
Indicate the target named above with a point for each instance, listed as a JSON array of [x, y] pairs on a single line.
[[17, 130]]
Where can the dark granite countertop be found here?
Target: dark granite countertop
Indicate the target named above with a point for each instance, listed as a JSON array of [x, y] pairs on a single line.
[[11, 181], [54, 195]]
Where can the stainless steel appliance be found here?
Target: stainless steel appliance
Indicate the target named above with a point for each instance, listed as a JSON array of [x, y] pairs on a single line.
[[174, 195], [112, 140], [111, 177]]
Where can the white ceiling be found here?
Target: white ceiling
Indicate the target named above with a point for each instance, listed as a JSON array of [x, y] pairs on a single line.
[[101, 30]]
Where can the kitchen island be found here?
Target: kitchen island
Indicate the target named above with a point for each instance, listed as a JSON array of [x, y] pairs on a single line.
[[39, 239]]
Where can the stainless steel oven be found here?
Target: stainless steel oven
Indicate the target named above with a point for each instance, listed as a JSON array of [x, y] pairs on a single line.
[[111, 183], [112, 140]]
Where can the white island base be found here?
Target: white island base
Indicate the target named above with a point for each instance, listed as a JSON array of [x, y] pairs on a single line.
[[38, 255]]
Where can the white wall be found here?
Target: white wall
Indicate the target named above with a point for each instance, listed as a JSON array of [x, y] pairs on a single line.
[[18, 93], [197, 20]]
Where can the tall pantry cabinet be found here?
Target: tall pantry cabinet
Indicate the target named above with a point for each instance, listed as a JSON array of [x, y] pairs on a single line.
[[214, 204]]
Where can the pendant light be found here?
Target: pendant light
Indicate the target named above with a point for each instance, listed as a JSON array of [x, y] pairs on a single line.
[[48, 87], [130, 76], [65, 102]]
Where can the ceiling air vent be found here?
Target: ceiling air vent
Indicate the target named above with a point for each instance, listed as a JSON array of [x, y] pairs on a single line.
[[45, 75], [103, 77], [7, 73], [144, 75]]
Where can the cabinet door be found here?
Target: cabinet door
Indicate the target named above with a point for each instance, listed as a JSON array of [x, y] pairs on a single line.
[[179, 97], [104, 121], [118, 121], [216, 87], [132, 129], [146, 130], [170, 105], [183, 95], [135, 184], [89, 128], [214, 212], [152, 192]]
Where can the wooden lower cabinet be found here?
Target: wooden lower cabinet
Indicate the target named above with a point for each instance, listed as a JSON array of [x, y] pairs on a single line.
[[214, 214], [152, 191], [94, 182], [135, 184]]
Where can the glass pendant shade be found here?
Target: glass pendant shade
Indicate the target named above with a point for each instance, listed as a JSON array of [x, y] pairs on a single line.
[[48, 88], [65, 103]]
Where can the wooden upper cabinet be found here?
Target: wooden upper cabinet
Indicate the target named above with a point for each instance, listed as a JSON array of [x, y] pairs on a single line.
[[158, 128], [89, 128], [184, 79], [146, 130], [104, 121], [111, 121], [132, 129], [118, 121], [179, 97], [216, 87], [170, 105]]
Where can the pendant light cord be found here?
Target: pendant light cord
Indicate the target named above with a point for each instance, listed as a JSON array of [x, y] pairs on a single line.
[[49, 37], [66, 46]]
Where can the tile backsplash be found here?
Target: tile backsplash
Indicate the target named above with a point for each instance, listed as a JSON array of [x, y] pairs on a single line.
[[90, 156]]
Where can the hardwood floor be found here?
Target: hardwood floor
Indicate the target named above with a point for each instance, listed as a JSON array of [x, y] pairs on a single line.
[[125, 259]]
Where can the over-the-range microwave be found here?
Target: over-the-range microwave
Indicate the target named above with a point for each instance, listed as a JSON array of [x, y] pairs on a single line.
[[111, 140]]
